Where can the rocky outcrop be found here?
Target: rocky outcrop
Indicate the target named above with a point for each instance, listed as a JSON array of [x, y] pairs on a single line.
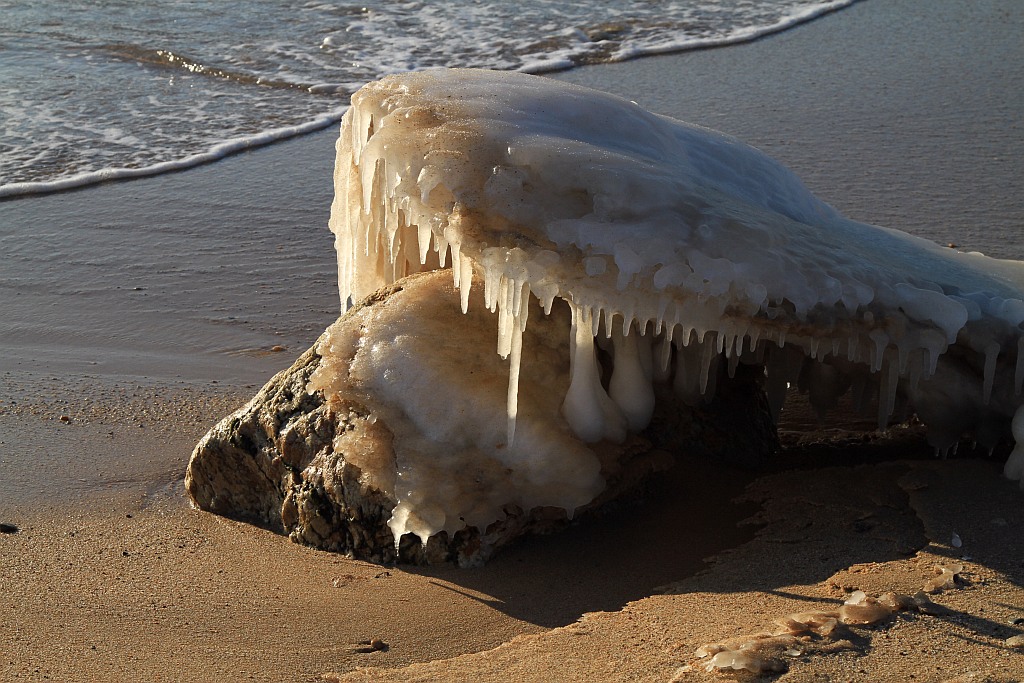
[[276, 463]]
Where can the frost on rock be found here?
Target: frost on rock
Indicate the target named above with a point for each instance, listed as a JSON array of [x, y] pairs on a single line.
[[679, 251]]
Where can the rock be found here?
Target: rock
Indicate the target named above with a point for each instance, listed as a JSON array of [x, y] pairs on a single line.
[[279, 462]]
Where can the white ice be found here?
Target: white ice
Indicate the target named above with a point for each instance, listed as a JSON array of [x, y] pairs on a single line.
[[700, 246], [445, 425]]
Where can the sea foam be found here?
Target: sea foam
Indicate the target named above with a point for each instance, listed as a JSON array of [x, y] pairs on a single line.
[[196, 82]]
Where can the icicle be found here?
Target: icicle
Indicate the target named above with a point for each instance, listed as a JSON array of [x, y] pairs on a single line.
[[392, 263], [393, 242], [734, 343], [369, 176], [367, 131], [881, 340], [392, 225], [424, 234], [888, 382], [516, 356], [591, 414], [517, 297], [1014, 467], [385, 265], [662, 355], [761, 351], [490, 288], [933, 361], [712, 385], [465, 266], [362, 130], [355, 131], [755, 337], [903, 350], [709, 358], [603, 318], [1018, 375], [368, 236], [410, 251], [628, 319], [523, 312], [991, 356], [504, 303], [456, 260], [663, 303], [686, 382], [670, 334], [441, 247], [630, 386], [549, 300], [916, 369]]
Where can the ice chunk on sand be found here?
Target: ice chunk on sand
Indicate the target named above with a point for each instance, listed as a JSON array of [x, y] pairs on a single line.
[[699, 243]]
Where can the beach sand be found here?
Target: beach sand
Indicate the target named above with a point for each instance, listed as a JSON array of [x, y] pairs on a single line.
[[904, 114]]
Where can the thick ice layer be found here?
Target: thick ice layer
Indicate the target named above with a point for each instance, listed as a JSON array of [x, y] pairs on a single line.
[[709, 249], [407, 360]]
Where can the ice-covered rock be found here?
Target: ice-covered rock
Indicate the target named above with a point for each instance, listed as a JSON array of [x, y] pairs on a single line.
[[696, 248], [624, 258], [399, 452]]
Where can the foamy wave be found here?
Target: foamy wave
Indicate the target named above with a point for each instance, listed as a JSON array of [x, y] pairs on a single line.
[[223, 84], [740, 36], [216, 153], [592, 51]]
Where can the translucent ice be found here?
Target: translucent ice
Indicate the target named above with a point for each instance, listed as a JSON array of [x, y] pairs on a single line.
[[707, 251]]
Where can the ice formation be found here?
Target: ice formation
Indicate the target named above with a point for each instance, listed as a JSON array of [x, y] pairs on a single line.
[[451, 465], [680, 251], [945, 579], [804, 633]]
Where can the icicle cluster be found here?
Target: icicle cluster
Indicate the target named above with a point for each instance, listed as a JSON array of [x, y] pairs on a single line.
[[680, 251]]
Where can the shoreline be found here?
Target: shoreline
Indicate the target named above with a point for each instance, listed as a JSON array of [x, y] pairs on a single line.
[[265, 138], [113, 577]]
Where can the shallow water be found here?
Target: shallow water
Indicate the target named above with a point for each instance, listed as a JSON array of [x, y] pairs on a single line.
[[192, 276], [92, 90]]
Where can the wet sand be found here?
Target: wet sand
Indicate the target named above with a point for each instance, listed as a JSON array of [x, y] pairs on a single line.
[[905, 114]]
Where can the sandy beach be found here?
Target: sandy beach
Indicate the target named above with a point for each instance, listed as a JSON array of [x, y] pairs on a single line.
[[185, 292]]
